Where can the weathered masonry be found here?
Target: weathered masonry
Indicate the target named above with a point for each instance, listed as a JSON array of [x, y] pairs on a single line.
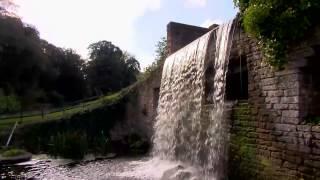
[[275, 131], [274, 126]]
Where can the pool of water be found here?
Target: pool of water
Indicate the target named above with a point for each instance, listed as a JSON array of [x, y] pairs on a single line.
[[43, 167]]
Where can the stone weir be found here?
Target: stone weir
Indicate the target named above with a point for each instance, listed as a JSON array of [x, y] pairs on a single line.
[[274, 125]]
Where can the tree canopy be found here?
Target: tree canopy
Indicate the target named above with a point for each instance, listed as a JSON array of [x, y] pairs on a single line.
[[109, 68], [162, 53], [33, 71]]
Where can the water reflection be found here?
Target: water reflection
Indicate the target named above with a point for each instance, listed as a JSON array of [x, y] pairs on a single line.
[[48, 168]]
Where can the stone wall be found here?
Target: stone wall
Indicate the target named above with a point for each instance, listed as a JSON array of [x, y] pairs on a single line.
[[179, 35], [272, 136], [141, 108], [271, 132]]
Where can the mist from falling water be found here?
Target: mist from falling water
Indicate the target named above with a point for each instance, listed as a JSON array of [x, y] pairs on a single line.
[[182, 132]]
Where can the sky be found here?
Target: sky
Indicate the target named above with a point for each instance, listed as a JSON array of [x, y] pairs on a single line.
[[133, 25]]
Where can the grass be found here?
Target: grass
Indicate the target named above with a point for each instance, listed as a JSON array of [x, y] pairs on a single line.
[[13, 152], [66, 112]]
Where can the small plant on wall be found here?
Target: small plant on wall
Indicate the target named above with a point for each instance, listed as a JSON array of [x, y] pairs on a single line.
[[277, 24]]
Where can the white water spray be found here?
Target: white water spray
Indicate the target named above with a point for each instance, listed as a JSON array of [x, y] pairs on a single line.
[[182, 133]]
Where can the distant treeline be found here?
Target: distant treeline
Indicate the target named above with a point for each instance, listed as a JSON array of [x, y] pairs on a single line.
[[35, 72]]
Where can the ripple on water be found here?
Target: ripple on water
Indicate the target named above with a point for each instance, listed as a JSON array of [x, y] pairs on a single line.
[[144, 168]]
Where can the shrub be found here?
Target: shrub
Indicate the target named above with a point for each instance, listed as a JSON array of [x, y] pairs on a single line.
[[9, 104], [278, 24], [72, 145], [13, 152]]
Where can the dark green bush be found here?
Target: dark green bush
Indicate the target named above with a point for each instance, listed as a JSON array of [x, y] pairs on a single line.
[[12, 152], [9, 104], [278, 24], [72, 145], [137, 144], [43, 137]]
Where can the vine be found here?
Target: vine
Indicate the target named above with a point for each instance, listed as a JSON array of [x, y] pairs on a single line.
[[277, 24]]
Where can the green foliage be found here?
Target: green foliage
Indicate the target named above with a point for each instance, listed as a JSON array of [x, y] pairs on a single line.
[[109, 69], [9, 104], [162, 53], [101, 144], [72, 145], [32, 68], [137, 144], [245, 161], [12, 152], [278, 24], [36, 135], [313, 120], [40, 73], [162, 50]]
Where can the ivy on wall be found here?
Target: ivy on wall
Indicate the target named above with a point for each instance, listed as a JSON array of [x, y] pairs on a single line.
[[278, 23]]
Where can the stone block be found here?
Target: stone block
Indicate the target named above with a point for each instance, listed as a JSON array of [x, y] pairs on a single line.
[[291, 92], [259, 130], [273, 100], [265, 136], [290, 100], [290, 165], [316, 129], [264, 153], [280, 106], [292, 147], [269, 106], [270, 87], [316, 135], [293, 106], [290, 113], [285, 127], [288, 85], [289, 78], [316, 151], [314, 157], [304, 128], [305, 169], [279, 145], [277, 133], [311, 163], [292, 158], [277, 93], [276, 161], [303, 141], [286, 139], [277, 155], [269, 81], [286, 72], [304, 149], [316, 143], [290, 120]]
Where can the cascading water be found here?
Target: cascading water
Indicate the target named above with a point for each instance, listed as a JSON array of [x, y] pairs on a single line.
[[181, 131]]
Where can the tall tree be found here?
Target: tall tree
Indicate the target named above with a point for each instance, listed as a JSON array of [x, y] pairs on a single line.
[[70, 82], [132, 68], [110, 69]]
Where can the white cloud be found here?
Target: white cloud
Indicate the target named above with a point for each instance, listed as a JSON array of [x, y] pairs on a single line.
[[195, 3], [77, 23], [209, 22]]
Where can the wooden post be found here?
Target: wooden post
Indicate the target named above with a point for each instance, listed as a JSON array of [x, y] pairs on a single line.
[[12, 131]]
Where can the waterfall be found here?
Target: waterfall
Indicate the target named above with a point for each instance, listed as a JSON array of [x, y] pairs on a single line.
[[182, 132]]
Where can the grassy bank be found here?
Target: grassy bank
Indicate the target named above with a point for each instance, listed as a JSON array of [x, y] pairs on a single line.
[[65, 112], [78, 130]]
